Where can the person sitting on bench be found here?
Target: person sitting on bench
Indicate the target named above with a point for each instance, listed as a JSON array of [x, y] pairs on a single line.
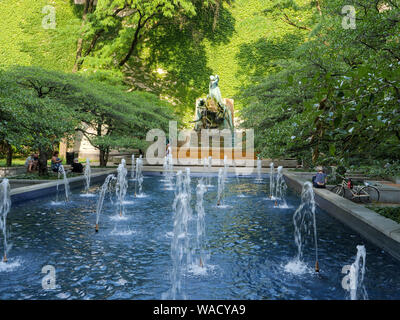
[[320, 179], [77, 167]]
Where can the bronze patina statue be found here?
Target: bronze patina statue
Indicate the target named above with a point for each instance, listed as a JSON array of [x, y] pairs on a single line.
[[213, 112]]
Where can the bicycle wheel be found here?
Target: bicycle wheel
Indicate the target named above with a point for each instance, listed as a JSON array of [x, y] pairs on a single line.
[[339, 190], [368, 194]]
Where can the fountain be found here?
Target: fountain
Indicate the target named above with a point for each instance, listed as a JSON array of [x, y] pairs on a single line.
[[121, 186], [235, 171], [272, 182], [205, 165], [133, 167], [103, 191], [180, 242], [139, 176], [209, 185], [259, 178], [61, 171], [356, 275], [169, 170], [281, 188], [200, 190], [187, 181], [226, 166], [222, 177], [5, 205], [304, 220], [221, 186], [87, 174]]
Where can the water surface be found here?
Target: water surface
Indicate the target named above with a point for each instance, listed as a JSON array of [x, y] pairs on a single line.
[[249, 242]]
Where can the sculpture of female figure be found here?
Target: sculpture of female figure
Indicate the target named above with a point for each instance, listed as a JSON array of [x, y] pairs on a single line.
[[214, 91]]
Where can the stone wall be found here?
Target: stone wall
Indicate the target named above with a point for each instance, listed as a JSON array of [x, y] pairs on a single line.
[[11, 171]]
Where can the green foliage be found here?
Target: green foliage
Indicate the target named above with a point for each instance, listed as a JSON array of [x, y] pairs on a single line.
[[335, 100], [39, 107], [311, 89], [15, 163], [379, 169], [24, 41], [388, 212], [29, 118], [163, 50], [185, 41]]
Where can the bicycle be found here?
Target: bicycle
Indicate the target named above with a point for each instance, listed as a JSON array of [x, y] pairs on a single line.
[[365, 194]]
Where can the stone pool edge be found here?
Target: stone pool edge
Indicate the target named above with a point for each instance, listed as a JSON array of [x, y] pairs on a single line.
[[45, 188], [381, 231]]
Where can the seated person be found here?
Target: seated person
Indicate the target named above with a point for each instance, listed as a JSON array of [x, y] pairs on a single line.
[[55, 162], [29, 163], [320, 179], [35, 161], [77, 167]]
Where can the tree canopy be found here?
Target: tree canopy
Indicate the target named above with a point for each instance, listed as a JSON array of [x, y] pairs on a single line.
[[313, 82], [336, 98], [40, 107]]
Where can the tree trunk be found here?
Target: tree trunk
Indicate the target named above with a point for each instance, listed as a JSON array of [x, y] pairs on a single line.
[[79, 45], [103, 158], [134, 41], [43, 156], [9, 155]]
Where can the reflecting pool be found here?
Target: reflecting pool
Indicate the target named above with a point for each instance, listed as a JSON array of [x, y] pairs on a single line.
[[248, 242]]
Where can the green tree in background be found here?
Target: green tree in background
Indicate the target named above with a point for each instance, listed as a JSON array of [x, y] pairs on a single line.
[[336, 99], [114, 28], [28, 117], [155, 44], [108, 116]]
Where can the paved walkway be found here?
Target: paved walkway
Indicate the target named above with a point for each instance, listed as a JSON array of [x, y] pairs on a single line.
[[391, 184]]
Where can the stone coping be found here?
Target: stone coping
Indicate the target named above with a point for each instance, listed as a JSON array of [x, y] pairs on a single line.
[[383, 232]]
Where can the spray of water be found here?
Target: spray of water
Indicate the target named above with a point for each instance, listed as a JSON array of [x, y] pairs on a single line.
[[259, 178], [304, 222], [356, 275], [87, 174], [281, 187], [165, 167], [209, 172], [222, 177], [63, 174], [180, 250], [139, 176], [226, 167], [121, 186], [221, 187], [205, 165], [187, 181], [200, 190], [103, 190], [169, 170], [272, 182], [235, 170], [5, 205], [133, 167]]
